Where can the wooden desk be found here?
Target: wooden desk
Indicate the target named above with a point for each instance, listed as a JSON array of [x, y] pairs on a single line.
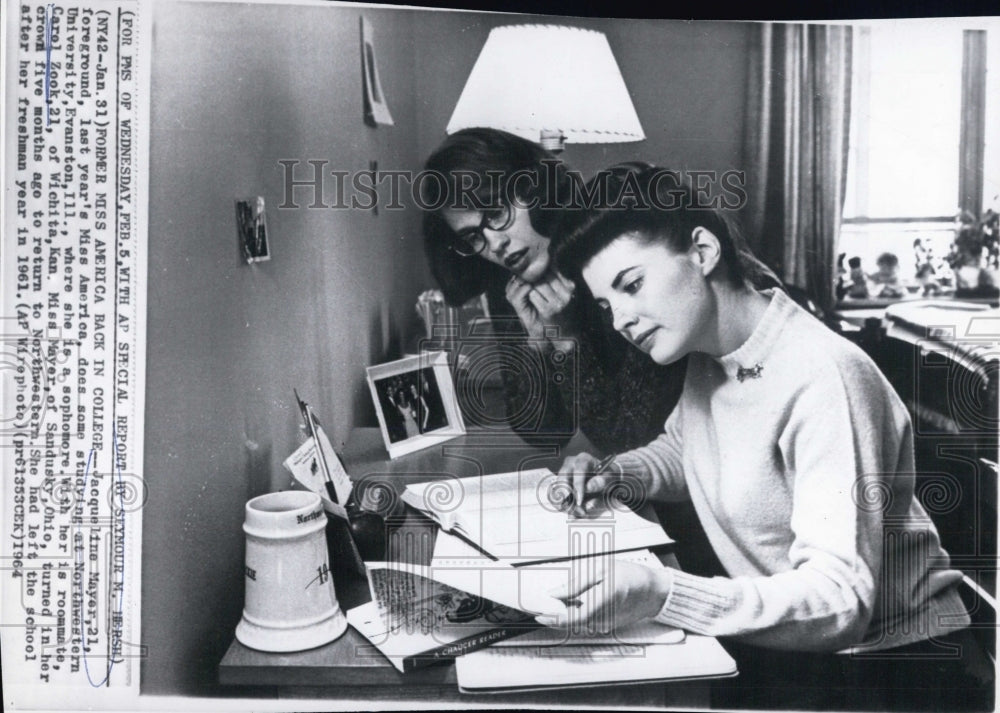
[[351, 668]]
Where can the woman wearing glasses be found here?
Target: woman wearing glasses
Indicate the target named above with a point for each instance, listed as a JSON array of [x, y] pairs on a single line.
[[496, 205]]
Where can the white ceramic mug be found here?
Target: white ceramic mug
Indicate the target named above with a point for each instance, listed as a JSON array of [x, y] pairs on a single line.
[[290, 602]]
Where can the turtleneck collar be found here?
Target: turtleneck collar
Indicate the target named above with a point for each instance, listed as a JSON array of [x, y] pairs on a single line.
[[749, 360]]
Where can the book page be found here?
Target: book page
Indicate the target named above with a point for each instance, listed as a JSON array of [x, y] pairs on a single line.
[[407, 599], [527, 588], [511, 517], [411, 615]]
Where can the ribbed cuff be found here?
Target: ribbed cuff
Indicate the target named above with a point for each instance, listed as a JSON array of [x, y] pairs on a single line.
[[693, 603], [632, 463]]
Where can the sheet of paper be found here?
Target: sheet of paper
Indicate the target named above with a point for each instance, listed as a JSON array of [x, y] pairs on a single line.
[[511, 516], [639, 633]]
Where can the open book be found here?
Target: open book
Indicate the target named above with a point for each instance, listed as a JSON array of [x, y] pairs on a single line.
[[511, 518], [526, 588], [415, 621]]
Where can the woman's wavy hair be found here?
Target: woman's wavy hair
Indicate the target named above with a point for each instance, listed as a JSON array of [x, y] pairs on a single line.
[[482, 168], [653, 204]]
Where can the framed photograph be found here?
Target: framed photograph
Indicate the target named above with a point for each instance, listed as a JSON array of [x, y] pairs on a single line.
[[415, 402], [252, 228]]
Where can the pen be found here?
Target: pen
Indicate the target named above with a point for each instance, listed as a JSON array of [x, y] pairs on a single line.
[[330, 489], [310, 420]]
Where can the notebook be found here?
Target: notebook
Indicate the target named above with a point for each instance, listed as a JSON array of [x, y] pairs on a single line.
[[509, 517], [524, 668]]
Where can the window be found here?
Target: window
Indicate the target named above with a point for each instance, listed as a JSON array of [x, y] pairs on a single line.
[[921, 146]]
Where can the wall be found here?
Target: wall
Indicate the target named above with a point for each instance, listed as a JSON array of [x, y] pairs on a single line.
[[235, 89], [687, 80]]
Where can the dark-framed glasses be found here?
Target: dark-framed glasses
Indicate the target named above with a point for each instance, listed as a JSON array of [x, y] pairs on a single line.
[[471, 242]]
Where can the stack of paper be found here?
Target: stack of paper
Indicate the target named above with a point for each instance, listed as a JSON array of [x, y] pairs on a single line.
[[502, 554], [496, 669], [545, 658]]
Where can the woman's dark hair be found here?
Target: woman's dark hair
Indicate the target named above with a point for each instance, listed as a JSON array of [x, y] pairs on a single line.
[[654, 204], [477, 169]]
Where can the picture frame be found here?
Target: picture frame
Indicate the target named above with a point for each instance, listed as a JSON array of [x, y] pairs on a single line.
[[251, 226], [415, 402]]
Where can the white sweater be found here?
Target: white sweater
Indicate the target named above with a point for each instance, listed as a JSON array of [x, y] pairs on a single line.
[[803, 478]]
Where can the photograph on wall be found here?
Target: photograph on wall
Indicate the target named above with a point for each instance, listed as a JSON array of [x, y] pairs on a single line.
[[252, 228]]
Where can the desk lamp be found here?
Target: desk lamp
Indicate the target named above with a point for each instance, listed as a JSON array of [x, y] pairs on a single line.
[[549, 84]]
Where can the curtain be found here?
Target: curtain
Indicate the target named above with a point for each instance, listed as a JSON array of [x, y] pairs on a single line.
[[796, 151]]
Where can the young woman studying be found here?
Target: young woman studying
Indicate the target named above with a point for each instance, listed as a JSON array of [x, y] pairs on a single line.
[[498, 204], [798, 457]]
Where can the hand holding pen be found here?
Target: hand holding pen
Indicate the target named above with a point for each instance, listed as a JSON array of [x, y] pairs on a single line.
[[580, 479]]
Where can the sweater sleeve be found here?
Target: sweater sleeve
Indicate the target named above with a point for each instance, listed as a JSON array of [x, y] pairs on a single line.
[[843, 449], [659, 465]]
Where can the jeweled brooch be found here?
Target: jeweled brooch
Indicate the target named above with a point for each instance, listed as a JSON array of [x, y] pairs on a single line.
[[742, 374]]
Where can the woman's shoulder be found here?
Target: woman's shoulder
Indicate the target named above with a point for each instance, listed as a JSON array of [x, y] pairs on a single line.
[[806, 335], [821, 358]]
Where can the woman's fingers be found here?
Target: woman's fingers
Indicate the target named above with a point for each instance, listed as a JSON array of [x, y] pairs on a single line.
[[517, 289], [587, 594], [545, 309], [541, 300], [610, 595], [545, 297], [578, 482], [566, 283], [572, 477], [563, 288], [518, 293], [550, 296], [577, 584]]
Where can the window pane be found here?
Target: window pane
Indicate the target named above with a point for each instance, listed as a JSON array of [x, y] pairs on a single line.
[[991, 162], [912, 117], [869, 241]]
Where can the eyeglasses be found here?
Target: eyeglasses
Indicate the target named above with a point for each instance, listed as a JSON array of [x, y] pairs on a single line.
[[470, 243]]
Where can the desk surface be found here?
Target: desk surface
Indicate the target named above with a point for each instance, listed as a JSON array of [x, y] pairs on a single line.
[[351, 667]]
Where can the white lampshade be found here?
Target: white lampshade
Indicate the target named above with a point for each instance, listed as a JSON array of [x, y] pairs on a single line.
[[531, 79]]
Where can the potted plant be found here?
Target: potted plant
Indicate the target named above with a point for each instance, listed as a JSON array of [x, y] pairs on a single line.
[[975, 253]]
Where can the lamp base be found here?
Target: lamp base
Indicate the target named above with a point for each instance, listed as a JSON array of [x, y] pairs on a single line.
[[552, 141], [283, 637]]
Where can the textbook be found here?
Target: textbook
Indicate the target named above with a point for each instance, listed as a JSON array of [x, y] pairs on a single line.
[[415, 621], [509, 516]]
